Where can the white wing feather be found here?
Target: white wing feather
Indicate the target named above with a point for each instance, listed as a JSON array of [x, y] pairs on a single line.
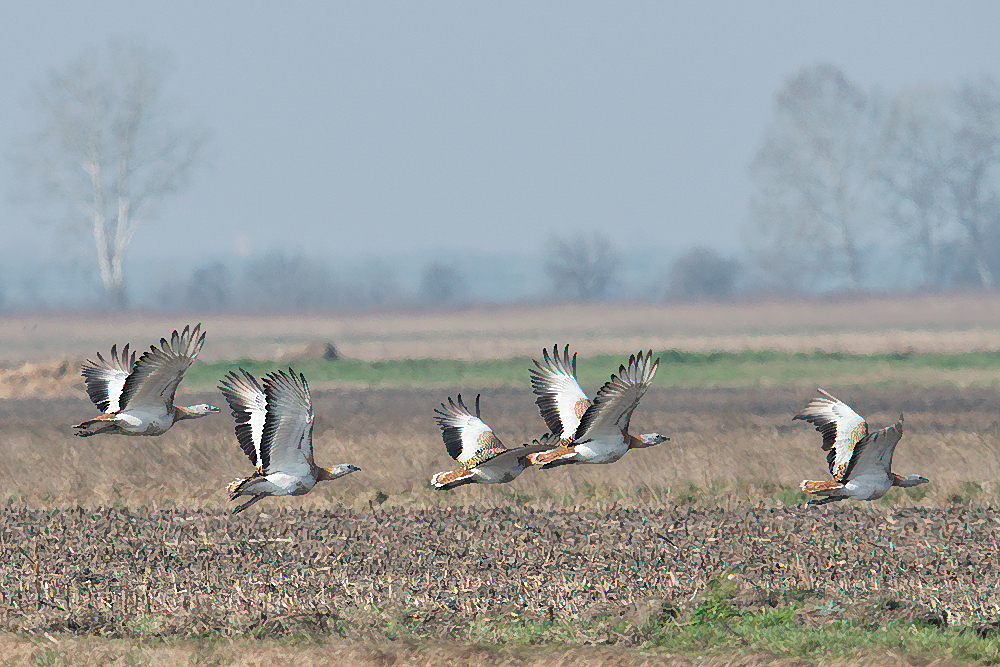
[[842, 430], [105, 378], [249, 406], [467, 437], [559, 397]]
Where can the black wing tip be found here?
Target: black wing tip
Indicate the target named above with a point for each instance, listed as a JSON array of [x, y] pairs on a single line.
[[456, 407], [560, 363], [231, 380], [185, 342], [289, 376]]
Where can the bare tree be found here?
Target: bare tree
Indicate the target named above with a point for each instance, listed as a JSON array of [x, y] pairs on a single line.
[[813, 173], [209, 288], [441, 284], [109, 150], [702, 273], [974, 171], [917, 149], [585, 265], [288, 282], [941, 169]]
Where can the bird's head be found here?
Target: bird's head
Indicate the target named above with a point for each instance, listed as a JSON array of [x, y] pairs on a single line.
[[650, 439], [913, 480], [202, 409], [338, 471]]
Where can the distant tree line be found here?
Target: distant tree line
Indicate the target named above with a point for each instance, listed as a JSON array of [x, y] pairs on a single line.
[[852, 184], [286, 280], [283, 280]]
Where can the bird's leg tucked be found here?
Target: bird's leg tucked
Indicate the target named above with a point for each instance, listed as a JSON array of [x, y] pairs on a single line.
[[248, 504]]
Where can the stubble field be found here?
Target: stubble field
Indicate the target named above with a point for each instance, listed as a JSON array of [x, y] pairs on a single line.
[[120, 550]]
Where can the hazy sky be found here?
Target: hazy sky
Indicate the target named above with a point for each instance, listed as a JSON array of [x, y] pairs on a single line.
[[370, 128]]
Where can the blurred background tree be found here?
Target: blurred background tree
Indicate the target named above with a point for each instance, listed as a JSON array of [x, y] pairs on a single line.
[[109, 148], [209, 289], [441, 284], [703, 274], [282, 281], [813, 175], [847, 180], [583, 266], [940, 168]]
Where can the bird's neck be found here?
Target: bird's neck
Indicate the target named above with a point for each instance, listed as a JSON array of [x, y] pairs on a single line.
[[325, 474]]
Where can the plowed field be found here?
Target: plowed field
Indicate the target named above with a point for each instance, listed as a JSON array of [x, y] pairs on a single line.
[[125, 572]]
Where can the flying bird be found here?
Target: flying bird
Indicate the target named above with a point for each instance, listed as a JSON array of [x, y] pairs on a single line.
[[860, 462], [137, 397], [483, 458], [274, 425], [591, 432]]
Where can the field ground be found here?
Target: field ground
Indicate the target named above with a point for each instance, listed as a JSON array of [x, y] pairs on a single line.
[[793, 583], [307, 651], [118, 551], [377, 567]]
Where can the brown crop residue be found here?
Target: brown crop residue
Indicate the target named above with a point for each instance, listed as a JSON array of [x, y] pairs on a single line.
[[120, 573]]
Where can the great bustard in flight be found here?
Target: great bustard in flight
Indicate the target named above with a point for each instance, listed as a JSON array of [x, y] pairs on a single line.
[[274, 425], [483, 458], [860, 462], [137, 397], [591, 432]]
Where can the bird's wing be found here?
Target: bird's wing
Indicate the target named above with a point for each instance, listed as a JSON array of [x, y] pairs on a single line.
[[157, 373], [105, 378], [557, 393], [842, 430], [286, 441], [873, 454], [249, 405], [615, 401], [467, 438]]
